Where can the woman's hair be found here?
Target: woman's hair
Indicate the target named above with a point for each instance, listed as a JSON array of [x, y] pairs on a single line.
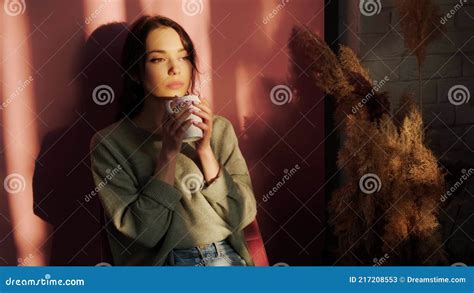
[[134, 57]]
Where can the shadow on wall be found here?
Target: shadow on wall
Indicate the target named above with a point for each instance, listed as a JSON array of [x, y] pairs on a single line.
[[277, 135], [62, 181]]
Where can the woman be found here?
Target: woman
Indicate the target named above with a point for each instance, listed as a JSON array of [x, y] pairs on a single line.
[[141, 166]]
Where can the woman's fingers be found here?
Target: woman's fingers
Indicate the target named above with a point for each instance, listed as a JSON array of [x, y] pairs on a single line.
[[201, 125], [182, 129], [180, 120], [203, 115], [179, 117], [205, 101], [203, 107]]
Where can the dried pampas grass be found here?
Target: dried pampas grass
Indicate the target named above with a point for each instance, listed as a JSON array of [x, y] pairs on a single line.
[[419, 22], [400, 219]]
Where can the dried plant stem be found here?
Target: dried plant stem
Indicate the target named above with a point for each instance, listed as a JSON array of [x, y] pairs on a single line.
[[420, 89]]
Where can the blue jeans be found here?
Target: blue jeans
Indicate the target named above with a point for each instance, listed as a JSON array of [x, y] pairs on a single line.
[[218, 253]]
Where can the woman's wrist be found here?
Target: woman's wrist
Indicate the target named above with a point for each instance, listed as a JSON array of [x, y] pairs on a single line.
[[210, 165], [209, 182], [165, 167], [205, 152]]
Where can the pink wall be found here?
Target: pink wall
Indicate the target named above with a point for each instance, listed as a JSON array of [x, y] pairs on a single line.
[[69, 48]]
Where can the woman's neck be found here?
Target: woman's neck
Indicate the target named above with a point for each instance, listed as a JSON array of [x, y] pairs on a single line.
[[152, 114]]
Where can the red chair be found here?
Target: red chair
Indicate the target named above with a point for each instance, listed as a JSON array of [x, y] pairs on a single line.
[[255, 244]]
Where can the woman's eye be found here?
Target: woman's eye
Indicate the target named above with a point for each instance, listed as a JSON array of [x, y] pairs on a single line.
[[156, 60], [184, 58]]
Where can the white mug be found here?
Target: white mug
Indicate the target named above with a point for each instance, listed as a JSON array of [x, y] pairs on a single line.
[[176, 105]]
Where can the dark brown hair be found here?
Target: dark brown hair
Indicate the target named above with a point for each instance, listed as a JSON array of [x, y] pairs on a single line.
[[134, 57]]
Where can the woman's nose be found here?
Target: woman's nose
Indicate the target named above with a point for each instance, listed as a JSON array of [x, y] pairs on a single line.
[[174, 69]]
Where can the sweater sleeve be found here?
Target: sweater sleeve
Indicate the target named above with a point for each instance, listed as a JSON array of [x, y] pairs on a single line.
[[231, 194], [141, 213]]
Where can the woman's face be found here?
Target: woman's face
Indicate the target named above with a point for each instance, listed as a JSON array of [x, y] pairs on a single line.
[[167, 66]]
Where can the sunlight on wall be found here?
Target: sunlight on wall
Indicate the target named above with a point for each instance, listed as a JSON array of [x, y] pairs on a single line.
[[100, 12], [246, 92], [21, 140]]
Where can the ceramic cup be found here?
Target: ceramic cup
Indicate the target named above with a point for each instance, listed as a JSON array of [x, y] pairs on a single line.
[[176, 105]]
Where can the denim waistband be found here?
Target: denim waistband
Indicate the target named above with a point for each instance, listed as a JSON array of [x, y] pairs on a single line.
[[215, 248]]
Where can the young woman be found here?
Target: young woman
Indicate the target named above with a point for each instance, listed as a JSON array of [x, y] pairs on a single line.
[[141, 166]]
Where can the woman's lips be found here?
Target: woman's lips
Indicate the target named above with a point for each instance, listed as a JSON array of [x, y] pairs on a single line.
[[174, 85]]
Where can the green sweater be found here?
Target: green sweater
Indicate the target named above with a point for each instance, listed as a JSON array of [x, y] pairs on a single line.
[[148, 217]]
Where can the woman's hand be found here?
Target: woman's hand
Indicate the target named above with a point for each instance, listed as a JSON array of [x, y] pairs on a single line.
[[174, 128], [204, 144], [209, 163]]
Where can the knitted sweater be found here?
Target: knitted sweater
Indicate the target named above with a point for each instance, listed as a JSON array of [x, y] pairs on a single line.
[[148, 217]]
